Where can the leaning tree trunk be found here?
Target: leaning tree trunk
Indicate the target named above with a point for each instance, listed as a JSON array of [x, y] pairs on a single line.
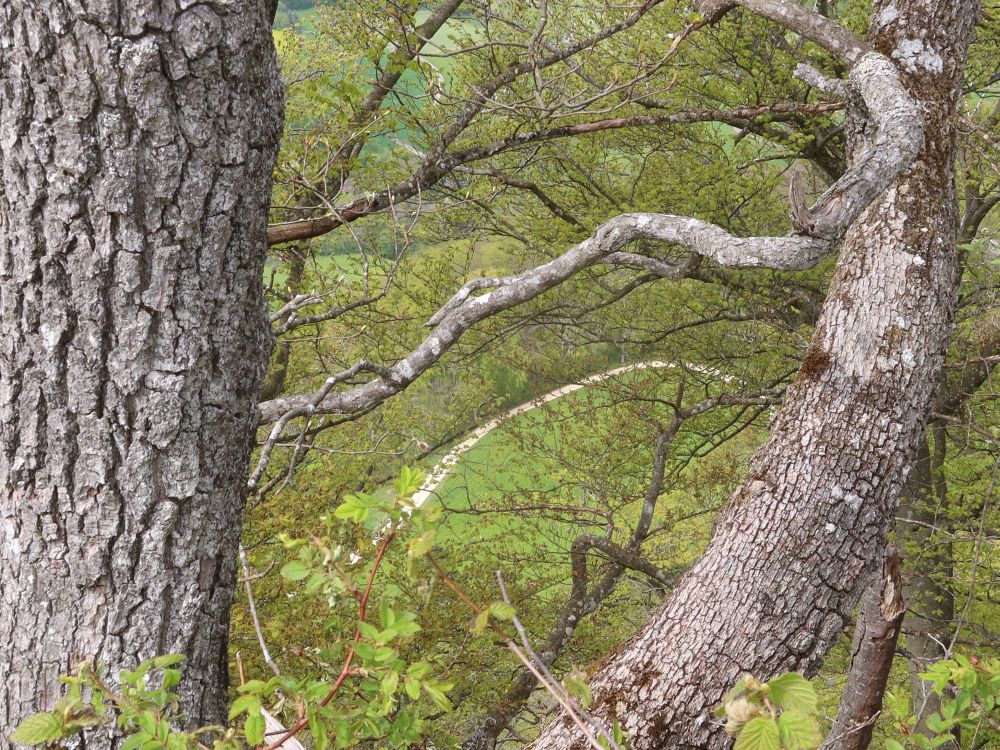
[[137, 141], [792, 553]]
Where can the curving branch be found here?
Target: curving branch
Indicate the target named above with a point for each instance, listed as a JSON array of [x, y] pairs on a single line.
[[464, 310], [898, 135], [814, 26], [432, 171]]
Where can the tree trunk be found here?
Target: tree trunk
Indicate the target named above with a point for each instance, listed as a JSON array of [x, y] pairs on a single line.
[[876, 634], [277, 373], [801, 538], [137, 141]]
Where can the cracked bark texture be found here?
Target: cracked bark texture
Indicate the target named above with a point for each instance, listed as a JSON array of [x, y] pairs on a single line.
[[137, 140], [790, 556]]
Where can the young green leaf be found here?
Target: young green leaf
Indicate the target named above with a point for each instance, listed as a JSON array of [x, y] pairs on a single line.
[[793, 691], [502, 611], [759, 734], [244, 704], [254, 728], [294, 571], [421, 545], [798, 731], [39, 729]]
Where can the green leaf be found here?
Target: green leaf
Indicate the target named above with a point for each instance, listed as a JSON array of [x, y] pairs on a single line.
[[798, 731], [409, 481], [936, 723], [412, 688], [419, 669], [390, 683], [406, 627], [254, 728], [793, 691], [352, 509], [421, 545], [427, 514], [244, 704], [386, 616], [576, 685], [39, 729], [759, 734], [252, 686], [893, 745], [295, 570], [167, 660], [133, 741], [481, 623], [435, 691], [502, 611], [386, 636], [147, 722], [171, 677]]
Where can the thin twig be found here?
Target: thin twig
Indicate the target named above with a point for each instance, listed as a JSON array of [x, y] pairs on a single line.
[[252, 606], [553, 689]]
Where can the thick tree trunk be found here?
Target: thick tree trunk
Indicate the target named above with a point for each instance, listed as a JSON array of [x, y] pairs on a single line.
[[800, 539], [137, 141]]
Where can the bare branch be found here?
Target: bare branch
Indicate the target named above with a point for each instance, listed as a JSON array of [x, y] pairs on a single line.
[[431, 172], [463, 310]]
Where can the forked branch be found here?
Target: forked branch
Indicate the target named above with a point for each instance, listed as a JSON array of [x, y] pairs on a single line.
[[898, 135]]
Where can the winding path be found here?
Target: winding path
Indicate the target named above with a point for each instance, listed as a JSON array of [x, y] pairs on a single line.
[[445, 466]]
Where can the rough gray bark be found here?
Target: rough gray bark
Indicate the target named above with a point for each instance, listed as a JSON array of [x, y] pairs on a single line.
[[792, 552], [137, 141], [794, 16]]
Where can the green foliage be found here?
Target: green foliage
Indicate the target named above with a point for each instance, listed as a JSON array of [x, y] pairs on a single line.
[[143, 707], [969, 689], [370, 694], [582, 454], [778, 715], [388, 696]]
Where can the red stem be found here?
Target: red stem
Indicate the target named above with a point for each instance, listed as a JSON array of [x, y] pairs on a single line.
[[346, 669]]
